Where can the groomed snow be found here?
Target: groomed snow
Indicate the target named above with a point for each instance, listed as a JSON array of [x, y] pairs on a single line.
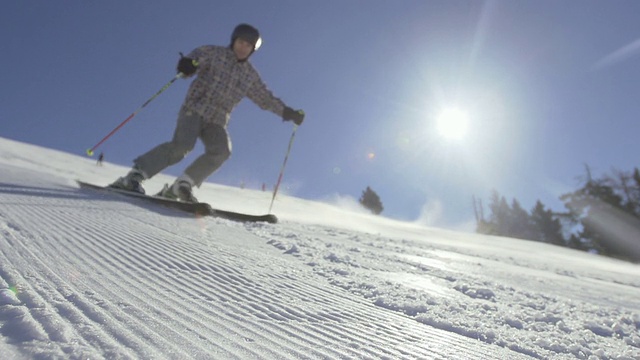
[[88, 275]]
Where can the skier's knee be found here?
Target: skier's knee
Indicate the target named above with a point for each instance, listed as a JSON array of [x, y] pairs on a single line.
[[220, 154], [225, 155], [219, 158], [178, 154]]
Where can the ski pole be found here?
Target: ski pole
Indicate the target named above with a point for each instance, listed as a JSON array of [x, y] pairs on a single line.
[[286, 157], [90, 151]]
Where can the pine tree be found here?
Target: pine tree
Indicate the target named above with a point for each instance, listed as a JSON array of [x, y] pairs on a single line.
[[499, 222], [547, 227], [628, 186], [371, 201], [600, 211], [635, 192], [520, 225]]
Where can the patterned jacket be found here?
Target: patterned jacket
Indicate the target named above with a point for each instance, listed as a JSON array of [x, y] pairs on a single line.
[[222, 82]]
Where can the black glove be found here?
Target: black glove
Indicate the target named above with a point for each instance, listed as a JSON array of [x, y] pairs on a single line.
[[297, 116], [187, 66]]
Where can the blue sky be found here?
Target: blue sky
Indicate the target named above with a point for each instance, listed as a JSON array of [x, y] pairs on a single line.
[[548, 86]]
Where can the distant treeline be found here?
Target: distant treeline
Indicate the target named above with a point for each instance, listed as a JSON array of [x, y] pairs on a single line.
[[603, 216]]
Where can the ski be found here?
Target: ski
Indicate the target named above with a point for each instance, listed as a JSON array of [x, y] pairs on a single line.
[[199, 208]]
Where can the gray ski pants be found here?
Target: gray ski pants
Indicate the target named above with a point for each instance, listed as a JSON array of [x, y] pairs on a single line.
[[189, 128]]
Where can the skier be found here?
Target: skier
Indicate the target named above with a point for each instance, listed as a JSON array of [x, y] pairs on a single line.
[[224, 76]]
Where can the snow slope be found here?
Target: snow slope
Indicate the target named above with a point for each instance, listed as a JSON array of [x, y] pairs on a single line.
[[84, 275]]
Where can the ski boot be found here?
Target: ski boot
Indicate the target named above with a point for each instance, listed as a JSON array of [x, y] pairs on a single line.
[[131, 182], [180, 190]]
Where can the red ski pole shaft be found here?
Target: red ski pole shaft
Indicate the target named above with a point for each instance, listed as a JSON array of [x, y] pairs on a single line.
[[90, 151], [286, 157]]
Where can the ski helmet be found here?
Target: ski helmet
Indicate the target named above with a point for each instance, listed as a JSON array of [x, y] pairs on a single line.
[[248, 33]]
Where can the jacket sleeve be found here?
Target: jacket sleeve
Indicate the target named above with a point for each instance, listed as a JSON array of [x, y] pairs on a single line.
[[199, 54], [264, 98]]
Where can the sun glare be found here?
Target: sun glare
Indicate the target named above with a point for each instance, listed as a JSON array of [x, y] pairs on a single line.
[[453, 123]]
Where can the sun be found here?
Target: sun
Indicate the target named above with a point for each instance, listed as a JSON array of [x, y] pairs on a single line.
[[452, 123]]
